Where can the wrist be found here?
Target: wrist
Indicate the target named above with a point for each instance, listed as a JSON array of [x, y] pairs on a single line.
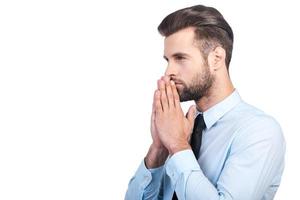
[[156, 156], [178, 147], [158, 147]]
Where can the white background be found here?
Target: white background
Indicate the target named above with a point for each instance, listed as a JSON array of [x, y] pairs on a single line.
[[76, 86]]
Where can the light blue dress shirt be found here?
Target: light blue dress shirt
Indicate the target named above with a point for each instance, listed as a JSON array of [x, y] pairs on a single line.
[[241, 158]]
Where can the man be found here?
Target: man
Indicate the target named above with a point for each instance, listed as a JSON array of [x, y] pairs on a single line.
[[238, 151]]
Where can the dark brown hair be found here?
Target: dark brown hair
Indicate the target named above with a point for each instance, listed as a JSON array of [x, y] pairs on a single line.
[[211, 29]]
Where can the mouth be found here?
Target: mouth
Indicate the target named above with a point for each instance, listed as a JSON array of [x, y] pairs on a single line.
[[178, 85], [176, 81]]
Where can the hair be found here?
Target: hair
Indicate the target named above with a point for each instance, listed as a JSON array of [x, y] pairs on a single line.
[[211, 29]]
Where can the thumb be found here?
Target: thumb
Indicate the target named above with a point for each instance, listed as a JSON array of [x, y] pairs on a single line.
[[191, 114]]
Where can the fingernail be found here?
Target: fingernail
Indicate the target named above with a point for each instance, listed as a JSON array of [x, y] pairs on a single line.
[[172, 83]]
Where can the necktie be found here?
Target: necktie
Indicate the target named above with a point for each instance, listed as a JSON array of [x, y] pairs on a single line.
[[196, 139]]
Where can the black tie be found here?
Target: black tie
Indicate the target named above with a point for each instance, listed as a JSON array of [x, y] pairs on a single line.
[[196, 139]]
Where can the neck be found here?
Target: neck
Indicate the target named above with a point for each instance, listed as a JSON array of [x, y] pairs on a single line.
[[218, 92]]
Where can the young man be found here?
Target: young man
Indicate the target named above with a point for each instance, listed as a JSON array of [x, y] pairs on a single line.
[[232, 150]]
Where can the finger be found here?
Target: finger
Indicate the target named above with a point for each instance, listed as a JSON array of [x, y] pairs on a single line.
[[159, 82], [169, 93], [158, 106], [175, 95], [153, 107], [191, 114], [152, 118], [163, 97]]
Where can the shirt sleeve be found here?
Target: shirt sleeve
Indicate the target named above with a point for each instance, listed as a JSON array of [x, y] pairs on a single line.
[[256, 155], [145, 184]]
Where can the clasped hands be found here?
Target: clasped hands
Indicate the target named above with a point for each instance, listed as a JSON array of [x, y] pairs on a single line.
[[170, 128]]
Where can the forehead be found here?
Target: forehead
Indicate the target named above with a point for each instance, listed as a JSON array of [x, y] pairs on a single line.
[[180, 41]]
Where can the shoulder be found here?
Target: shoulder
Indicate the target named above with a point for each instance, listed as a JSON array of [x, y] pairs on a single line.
[[252, 124], [248, 116]]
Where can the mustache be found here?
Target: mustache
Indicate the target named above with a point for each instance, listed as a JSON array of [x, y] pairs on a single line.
[[177, 81]]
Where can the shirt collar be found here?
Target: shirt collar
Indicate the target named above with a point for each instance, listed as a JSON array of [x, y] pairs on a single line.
[[213, 114]]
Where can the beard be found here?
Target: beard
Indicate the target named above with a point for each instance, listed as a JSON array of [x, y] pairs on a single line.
[[198, 87]]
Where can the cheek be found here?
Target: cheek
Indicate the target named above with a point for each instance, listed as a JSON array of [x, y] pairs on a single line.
[[185, 67], [188, 70]]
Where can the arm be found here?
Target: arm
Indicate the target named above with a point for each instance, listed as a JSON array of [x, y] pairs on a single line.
[[147, 181], [256, 155]]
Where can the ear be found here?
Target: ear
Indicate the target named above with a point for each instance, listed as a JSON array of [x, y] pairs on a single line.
[[216, 58]]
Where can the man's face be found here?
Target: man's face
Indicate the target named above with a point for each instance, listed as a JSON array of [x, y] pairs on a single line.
[[186, 66]]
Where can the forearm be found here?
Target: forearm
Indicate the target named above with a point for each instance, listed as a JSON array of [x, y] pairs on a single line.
[[156, 157], [147, 180], [242, 177], [188, 179]]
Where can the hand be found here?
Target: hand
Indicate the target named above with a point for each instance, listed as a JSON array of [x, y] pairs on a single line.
[[173, 128], [157, 153], [156, 143]]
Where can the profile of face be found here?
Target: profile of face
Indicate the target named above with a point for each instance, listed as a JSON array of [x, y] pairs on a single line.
[[186, 65]]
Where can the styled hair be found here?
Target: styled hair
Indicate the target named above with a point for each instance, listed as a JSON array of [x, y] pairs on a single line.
[[211, 29]]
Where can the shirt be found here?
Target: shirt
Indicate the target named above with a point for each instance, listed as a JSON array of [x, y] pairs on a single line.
[[241, 158]]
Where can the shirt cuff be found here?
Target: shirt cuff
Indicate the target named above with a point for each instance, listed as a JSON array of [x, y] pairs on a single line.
[[155, 170], [181, 162], [144, 176]]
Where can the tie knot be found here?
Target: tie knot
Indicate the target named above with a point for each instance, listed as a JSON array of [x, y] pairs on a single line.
[[199, 122]]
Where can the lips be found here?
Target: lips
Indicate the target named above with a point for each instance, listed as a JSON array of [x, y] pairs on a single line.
[[176, 81], [178, 85]]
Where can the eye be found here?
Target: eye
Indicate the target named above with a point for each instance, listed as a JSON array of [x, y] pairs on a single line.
[[179, 58]]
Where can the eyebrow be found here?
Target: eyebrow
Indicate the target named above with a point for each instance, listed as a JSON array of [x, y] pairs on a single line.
[[178, 54]]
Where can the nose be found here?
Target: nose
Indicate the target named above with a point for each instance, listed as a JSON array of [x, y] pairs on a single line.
[[171, 70]]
